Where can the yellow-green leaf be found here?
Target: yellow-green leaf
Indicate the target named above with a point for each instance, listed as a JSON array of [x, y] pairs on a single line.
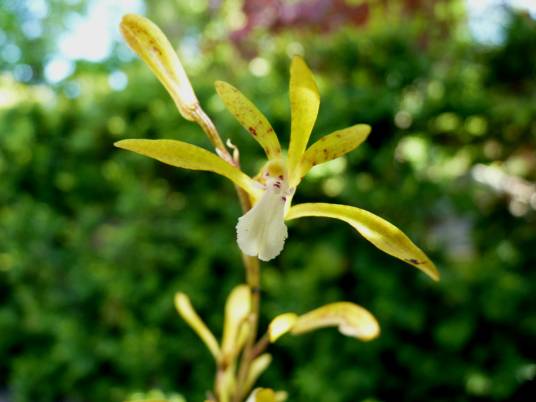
[[188, 314], [333, 145], [280, 325], [237, 309], [188, 156], [378, 231], [150, 43], [304, 104], [250, 118], [351, 320]]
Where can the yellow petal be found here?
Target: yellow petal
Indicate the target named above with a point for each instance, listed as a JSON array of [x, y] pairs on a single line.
[[237, 309], [150, 43], [351, 319], [188, 314], [280, 325], [262, 395], [258, 366], [250, 118], [333, 145], [378, 231], [304, 104], [188, 156]]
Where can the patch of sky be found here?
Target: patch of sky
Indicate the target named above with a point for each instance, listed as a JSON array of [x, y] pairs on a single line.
[[487, 18], [89, 37]]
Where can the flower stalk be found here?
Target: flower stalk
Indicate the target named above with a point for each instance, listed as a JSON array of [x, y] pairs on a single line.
[[266, 201], [252, 272]]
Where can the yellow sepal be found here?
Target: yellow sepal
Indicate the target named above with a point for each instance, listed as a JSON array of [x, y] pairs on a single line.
[[237, 309], [150, 43], [188, 314], [188, 156], [304, 104], [250, 118], [333, 145], [378, 231], [351, 320]]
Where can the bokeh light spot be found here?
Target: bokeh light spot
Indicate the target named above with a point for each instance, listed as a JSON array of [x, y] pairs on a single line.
[[118, 80], [259, 67], [58, 69]]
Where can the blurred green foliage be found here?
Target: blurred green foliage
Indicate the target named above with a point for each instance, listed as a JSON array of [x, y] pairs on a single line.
[[94, 242]]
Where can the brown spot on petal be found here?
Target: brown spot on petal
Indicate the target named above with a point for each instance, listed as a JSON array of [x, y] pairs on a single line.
[[414, 261], [252, 131]]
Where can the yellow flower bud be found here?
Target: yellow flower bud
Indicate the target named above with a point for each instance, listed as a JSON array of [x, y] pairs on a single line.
[[150, 43]]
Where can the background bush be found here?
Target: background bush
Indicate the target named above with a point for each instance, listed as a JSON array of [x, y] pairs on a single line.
[[94, 241]]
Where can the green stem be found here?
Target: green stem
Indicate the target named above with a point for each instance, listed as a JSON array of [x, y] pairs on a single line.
[[260, 346], [210, 130], [251, 264], [253, 280]]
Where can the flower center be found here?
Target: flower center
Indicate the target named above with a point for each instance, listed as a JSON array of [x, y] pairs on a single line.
[[262, 231]]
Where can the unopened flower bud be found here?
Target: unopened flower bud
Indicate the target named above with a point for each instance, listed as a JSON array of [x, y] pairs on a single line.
[[150, 43]]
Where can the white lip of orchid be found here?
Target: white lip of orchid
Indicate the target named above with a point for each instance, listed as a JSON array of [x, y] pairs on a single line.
[[262, 231]]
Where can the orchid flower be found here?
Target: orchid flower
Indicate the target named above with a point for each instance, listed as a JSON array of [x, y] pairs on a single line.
[[261, 231]]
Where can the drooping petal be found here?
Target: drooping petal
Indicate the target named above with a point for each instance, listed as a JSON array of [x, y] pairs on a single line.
[[150, 43], [237, 309], [304, 104], [280, 325], [188, 314], [188, 156], [250, 118], [351, 320], [262, 231], [333, 145], [378, 231]]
